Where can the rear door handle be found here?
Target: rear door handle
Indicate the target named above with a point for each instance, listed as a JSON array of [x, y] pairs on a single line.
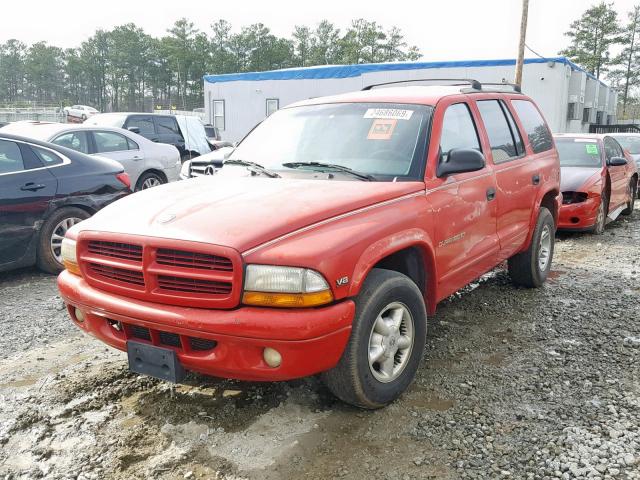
[[536, 179], [491, 193], [32, 187]]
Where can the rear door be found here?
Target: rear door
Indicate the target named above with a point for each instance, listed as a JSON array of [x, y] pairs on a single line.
[[618, 176], [122, 149], [145, 126], [169, 132], [463, 204], [26, 190]]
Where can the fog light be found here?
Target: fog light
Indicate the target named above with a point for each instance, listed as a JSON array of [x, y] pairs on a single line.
[[79, 315], [272, 357]]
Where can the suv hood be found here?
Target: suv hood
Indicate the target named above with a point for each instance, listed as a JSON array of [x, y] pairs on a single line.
[[241, 212]]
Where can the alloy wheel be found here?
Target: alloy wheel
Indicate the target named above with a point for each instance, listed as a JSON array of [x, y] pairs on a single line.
[[391, 342], [58, 234], [150, 183], [544, 249]]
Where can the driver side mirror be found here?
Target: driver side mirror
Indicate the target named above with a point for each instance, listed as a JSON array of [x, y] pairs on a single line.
[[134, 129], [617, 162], [461, 160]]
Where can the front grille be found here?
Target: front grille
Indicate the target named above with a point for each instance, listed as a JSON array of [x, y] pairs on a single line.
[[200, 170], [193, 285], [171, 339], [142, 333], [202, 344], [119, 274], [124, 251], [203, 261], [167, 271]]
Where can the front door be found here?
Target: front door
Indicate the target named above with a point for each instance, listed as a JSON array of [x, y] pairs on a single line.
[[618, 176], [463, 204], [26, 190]]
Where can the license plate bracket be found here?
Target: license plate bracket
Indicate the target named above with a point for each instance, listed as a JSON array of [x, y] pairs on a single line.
[[158, 362]]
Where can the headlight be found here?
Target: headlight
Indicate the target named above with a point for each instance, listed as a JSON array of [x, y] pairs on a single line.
[[274, 286], [69, 255], [184, 171]]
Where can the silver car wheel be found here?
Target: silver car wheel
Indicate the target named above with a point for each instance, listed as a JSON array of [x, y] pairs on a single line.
[[391, 342], [58, 234], [544, 250], [150, 183]]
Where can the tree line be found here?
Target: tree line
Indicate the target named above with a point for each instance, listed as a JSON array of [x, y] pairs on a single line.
[[123, 68], [593, 37]]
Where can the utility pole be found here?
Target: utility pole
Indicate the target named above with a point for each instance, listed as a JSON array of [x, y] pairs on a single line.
[[523, 36]]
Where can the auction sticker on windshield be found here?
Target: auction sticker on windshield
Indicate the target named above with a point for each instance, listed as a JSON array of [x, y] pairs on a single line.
[[388, 113]]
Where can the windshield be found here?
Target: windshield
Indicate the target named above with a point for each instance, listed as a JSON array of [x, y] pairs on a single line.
[[578, 152], [632, 144], [380, 139], [108, 120]]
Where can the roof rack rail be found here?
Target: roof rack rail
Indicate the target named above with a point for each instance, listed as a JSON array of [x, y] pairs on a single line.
[[516, 88], [476, 85]]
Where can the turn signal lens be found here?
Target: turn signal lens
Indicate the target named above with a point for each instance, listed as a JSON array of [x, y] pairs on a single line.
[[287, 300], [69, 257]]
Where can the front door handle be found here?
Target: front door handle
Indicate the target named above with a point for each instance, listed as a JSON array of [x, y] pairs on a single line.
[[32, 187], [491, 193], [137, 158], [536, 179]]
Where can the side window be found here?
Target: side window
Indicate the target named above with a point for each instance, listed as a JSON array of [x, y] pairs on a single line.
[[501, 140], [458, 130], [48, 158], [167, 125], [10, 157], [132, 145], [218, 114], [612, 149], [73, 140], [110, 142], [273, 104], [534, 125], [145, 124], [515, 131]]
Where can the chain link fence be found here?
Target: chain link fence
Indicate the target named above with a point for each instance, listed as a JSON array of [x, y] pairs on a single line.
[[31, 111]]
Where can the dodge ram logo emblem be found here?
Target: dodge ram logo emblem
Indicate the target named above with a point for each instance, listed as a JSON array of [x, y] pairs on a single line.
[[166, 217], [210, 170]]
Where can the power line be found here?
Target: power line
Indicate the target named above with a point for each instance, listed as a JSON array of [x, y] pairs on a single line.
[[534, 52]]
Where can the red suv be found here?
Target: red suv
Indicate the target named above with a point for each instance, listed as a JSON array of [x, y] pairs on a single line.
[[321, 246]]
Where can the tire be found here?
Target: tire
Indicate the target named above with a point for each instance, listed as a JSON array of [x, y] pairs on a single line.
[[632, 198], [531, 267], [149, 180], [354, 380], [601, 219], [51, 234]]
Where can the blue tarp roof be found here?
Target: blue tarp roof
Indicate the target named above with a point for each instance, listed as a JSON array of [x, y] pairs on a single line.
[[347, 71]]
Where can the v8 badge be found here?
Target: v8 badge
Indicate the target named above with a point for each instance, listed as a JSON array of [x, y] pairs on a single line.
[[342, 281]]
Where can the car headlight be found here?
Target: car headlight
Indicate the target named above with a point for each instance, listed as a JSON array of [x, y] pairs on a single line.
[[275, 286], [185, 170], [69, 255]]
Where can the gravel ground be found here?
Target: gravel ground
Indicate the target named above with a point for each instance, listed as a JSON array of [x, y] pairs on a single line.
[[515, 383]]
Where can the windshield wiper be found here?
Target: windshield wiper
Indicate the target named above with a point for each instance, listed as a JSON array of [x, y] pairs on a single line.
[[252, 166], [331, 166]]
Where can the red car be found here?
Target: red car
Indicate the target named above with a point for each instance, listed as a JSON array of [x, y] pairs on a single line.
[[323, 251], [599, 181]]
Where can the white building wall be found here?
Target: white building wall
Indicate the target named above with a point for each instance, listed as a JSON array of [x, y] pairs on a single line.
[[550, 85]]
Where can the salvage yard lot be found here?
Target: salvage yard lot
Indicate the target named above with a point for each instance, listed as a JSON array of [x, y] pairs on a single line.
[[515, 383]]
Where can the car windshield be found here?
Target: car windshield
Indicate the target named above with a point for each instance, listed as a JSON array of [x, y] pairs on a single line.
[[578, 152], [629, 143], [384, 140]]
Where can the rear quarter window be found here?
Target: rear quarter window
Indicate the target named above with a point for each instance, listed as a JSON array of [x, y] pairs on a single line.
[[534, 125]]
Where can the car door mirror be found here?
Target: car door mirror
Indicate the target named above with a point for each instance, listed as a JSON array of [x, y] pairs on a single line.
[[461, 160], [134, 129], [617, 162]]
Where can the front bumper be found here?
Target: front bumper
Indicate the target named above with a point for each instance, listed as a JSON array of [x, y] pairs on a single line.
[[309, 340], [579, 216]]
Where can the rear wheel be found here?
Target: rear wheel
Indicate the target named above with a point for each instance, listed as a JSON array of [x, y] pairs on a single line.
[[386, 344], [531, 267], [632, 198], [149, 180], [49, 257]]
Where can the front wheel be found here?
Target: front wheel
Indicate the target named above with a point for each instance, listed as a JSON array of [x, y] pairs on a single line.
[[386, 344], [531, 267]]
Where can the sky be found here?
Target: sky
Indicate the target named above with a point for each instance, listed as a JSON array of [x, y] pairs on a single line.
[[442, 30]]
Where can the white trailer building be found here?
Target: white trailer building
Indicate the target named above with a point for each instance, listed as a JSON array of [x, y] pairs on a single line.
[[570, 98]]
